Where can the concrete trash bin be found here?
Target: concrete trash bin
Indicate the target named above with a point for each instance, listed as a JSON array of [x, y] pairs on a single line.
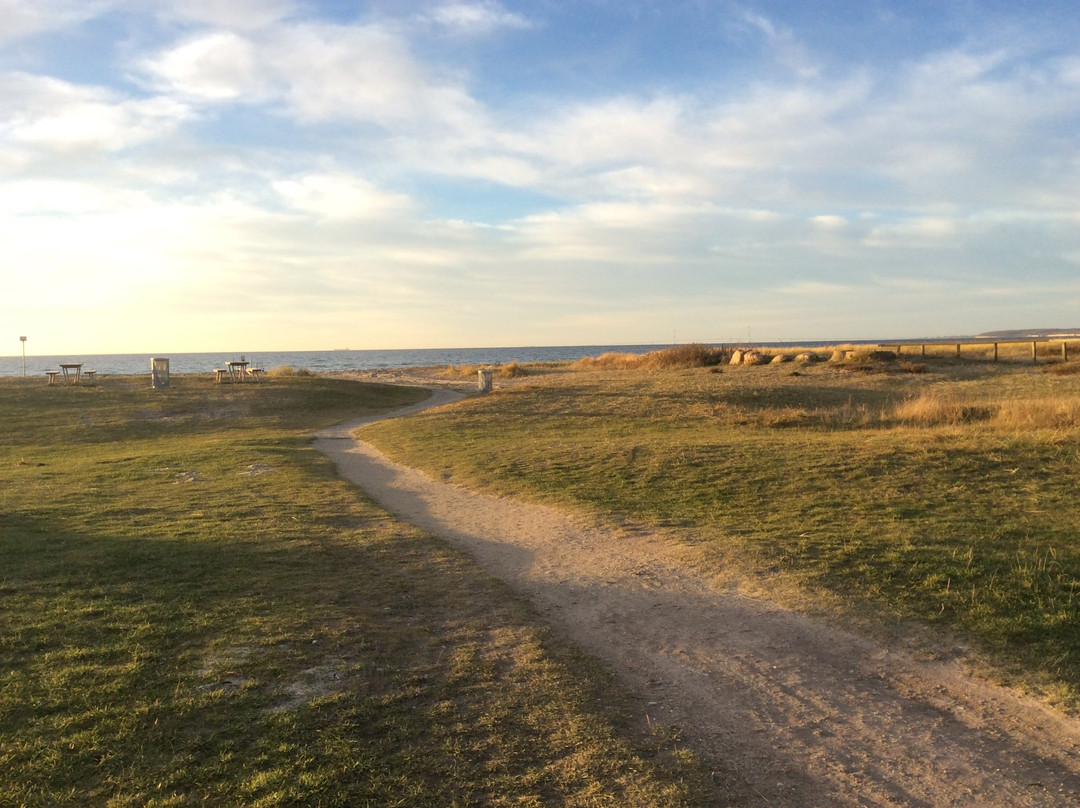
[[159, 372], [483, 381]]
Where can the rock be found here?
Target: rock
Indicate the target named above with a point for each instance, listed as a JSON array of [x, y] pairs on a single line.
[[754, 358]]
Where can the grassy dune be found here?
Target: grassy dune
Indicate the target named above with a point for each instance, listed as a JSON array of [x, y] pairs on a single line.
[[937, 498], [196, 610]]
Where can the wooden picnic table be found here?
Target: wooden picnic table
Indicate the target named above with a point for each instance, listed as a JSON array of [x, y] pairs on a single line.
[[237, 369], [72, 371]]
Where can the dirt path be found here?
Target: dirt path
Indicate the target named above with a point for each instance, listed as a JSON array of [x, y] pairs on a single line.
[[789, 712]]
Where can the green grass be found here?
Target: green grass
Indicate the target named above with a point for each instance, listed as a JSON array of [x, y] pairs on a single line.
[[811, 484], [197, 610]]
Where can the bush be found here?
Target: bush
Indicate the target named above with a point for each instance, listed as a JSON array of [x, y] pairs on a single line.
[[691, 355], [283, 371], [512, 371], [929, 409]]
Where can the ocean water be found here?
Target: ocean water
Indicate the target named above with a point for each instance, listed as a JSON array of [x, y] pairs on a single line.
[[318, 361], [322, 361]]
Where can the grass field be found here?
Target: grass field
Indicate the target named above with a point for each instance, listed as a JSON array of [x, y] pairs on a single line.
[[197, 610], [936, 498]]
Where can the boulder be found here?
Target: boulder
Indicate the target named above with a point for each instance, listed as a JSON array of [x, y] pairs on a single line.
[[754, 358]]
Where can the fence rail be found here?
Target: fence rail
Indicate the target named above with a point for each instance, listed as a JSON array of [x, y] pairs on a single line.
[[1034, 343]]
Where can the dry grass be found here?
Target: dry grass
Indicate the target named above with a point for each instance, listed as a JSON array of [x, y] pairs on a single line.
[[511, 370], [933, 409], [287, 372], [693, 355], [1060, 411]]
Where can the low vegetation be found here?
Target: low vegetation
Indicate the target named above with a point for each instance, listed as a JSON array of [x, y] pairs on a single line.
[[939, 502], [288, 371], [680, 356], [198, 611], [511, 370]]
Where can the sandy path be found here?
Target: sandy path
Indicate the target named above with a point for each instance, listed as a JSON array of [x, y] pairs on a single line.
[[788, 711]]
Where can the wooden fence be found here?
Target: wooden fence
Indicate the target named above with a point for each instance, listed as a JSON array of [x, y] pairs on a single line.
[[1035, 343]]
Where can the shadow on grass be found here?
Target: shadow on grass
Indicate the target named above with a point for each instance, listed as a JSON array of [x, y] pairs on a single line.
[[369, 667]]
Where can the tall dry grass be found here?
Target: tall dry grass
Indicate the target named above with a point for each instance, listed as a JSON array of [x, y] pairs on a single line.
[[935, 409], [288, 371], [511, 370], [691, 355]]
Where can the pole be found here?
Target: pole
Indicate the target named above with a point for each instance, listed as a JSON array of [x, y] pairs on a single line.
[[23, 341]]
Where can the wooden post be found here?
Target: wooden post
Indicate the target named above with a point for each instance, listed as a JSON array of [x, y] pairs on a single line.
[[924, 349], [958, 350], [1034, 352], [995, 351], [1064, 350]]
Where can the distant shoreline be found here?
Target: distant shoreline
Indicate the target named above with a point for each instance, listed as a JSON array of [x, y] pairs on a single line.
[[339, 359]]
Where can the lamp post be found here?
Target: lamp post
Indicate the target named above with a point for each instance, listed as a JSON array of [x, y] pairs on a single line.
[[23, 341]]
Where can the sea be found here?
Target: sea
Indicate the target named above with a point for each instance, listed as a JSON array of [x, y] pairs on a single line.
[[341, 359]]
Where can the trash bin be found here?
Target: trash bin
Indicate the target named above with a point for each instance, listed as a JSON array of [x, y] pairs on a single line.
[[483, 381], [159, 372]]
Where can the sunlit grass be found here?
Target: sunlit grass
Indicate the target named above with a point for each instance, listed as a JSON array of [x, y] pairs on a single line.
[[944, 499], [197, 610]]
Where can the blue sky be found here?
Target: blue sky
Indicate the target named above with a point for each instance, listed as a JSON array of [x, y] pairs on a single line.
[[185, 175]]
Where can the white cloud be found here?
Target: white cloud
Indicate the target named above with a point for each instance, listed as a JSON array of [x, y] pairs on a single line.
[[611, 132], [234, 14], [55, 115], [365, 73], [920, 232], [24, 18], [340, 197], [711, 197], [829, 222], [219, 66], [319, 74], [476, 17], [784, 46]]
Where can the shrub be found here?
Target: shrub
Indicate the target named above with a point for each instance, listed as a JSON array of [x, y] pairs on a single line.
[[512, 371], [288, 370], [930, 409], [691, 355]]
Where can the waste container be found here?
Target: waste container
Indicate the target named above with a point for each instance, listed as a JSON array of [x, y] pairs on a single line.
[[483, 381], [159, 372]]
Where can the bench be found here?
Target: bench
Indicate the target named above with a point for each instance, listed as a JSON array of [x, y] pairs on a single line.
[[52, 374], [255, 373], [219, 374], [89, 374]]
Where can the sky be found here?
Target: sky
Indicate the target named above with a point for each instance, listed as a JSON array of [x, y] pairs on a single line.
[[196, 175]]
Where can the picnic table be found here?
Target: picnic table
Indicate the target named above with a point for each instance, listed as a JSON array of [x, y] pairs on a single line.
[[237, 369], [72, 371]]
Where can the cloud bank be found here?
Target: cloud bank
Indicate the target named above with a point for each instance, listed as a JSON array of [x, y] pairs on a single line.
[[419, 175]]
